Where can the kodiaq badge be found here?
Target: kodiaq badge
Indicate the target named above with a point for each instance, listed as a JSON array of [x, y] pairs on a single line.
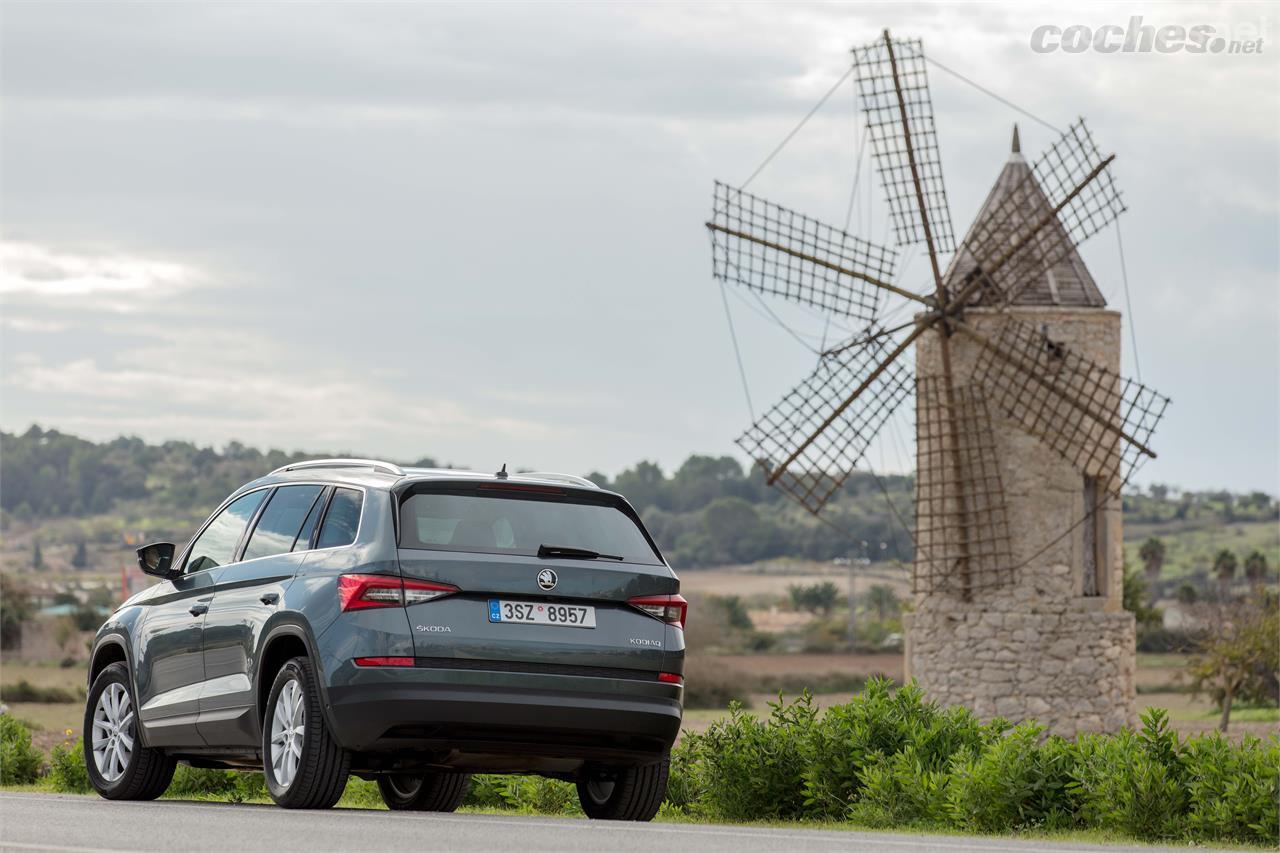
[[547, 579]]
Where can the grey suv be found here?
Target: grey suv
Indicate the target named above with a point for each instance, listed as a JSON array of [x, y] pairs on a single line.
[[410, 626]]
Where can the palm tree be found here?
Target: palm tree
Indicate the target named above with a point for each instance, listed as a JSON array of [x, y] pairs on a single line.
[[1255, 569], [1152, 555], [1225, 565]]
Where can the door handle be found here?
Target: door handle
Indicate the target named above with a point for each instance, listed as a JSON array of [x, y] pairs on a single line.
[[270, 597], [199, 609]]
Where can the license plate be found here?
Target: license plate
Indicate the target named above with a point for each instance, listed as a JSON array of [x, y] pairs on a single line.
[[533, 613]]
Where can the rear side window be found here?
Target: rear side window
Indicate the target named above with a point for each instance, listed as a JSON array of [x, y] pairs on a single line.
[[280, 522], [308, 532], [342, 520], [493, 524]]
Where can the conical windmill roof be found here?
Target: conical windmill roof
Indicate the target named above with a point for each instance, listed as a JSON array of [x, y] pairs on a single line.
[[1067, 282]]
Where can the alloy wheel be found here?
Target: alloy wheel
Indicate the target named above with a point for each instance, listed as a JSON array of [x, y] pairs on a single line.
[[288, 726], [113, 732]]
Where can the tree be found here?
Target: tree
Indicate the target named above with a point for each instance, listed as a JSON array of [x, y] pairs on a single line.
[[1238, 649], [1224, 564], [1187, 594], [1255, 569], [1152, 555], [15, 608], [37, 556], [818, 598], [1134, 593], [80, 559], [883, 601]]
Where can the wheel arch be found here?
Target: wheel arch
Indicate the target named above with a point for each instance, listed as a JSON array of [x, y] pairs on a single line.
[[110, 649], [280, 643]]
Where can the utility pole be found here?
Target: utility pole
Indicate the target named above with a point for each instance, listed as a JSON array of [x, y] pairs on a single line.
[[853, 593]]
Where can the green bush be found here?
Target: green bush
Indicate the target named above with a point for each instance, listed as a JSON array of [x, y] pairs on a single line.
[[1234, 789], [236, 786], [891, 759], [20, 762], [67, 771], [753, 768], [684, 786], [533, 794], [901, 790], [1133, 781], [877, 724], [1015, 782]]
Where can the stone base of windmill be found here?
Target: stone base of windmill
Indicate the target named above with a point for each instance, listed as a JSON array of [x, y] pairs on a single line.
[[1067, 664]]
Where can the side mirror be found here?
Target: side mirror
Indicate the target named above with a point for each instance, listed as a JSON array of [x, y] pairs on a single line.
[[157, 559]]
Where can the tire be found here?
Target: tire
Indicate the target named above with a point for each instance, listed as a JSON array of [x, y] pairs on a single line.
[[424, 792], [309, 771], [625, 793], [122, 769]]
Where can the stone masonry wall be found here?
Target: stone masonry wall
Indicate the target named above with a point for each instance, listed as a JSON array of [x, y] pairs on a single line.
[[1037, 647]]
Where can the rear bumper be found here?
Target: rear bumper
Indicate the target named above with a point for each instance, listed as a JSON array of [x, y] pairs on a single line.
[[471, 717]]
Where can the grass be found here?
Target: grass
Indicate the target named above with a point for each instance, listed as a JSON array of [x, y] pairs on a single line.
[[70, 678], [51, 717]]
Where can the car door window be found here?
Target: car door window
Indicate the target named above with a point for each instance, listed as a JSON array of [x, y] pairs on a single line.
[[216, 546], [278, 526], [342, 520]]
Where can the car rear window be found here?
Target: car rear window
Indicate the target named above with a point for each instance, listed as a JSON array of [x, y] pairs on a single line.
[[517, 524]]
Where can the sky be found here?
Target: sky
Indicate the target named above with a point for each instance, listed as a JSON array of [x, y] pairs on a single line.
[[475, 232]]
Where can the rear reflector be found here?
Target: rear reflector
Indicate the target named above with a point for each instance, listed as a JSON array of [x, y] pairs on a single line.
[[671, 609], [386, 661], [670, 678]]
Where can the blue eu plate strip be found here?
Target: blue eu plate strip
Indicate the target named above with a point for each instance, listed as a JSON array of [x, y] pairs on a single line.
[[495, 612]]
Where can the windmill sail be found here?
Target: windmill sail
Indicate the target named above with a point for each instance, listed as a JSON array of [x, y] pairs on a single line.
[[877, 65], [771, 250], [812, 445], [1080, 409], [962, 533]]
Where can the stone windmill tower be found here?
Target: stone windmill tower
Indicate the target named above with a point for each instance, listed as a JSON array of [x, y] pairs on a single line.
[[1054, 643], [1025, 430]]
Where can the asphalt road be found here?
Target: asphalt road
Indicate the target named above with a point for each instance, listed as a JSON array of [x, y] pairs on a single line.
[[47, 822]]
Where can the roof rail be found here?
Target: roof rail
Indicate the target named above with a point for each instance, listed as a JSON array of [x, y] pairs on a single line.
[[385, 467], [568, 479]]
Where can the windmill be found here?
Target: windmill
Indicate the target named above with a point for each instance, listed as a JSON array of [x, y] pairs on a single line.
[[810, 441]]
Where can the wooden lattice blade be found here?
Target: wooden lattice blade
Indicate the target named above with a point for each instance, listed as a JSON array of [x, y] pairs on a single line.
[[962, 533], [774, 251], [1022, 245], [878, 98], [811, 461], [1096, 419]]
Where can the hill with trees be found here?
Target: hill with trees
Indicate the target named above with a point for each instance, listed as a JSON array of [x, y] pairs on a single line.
[[63, 491]]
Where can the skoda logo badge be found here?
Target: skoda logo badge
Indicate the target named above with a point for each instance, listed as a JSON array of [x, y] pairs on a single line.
[[547, 579]]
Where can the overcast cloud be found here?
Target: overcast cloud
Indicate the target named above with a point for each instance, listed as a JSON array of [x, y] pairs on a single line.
[[475, 231]]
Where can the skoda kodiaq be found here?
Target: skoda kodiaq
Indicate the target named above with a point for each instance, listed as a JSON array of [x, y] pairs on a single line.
[[409, 626]]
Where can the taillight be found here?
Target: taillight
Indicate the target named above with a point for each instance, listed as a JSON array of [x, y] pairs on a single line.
[[671, 609], [416, 592], [360, 592], [670, 678]]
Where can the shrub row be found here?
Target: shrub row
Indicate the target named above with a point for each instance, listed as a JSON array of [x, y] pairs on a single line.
[[888, 758], [25, 691], [885, 759]]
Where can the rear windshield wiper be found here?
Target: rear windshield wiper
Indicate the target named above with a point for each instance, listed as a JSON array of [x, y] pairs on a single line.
[[545, 551]]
